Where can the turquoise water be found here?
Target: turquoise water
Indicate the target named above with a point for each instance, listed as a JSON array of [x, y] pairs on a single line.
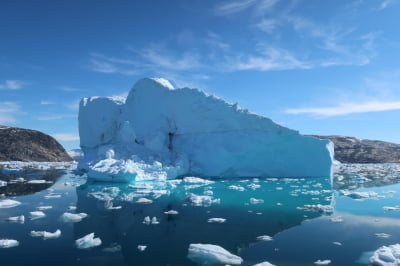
[[308, 219]]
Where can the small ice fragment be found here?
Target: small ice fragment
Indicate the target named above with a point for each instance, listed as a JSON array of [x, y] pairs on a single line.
[[37, 181], [72, 208], [318, 207], [36, 215], [382, 235], [68, 217], [337, 219], [144, 201], [207, 254], [141, 248], [44, 208], [154, 221], [322, 262], [216, 220], [147, 220], [196, 180], [389, 256], [265, 263], [109, 205], [337, 243], [391, 208], [52, 196], [8, 243], [205, 201], [238, 188], [256, 201], [114, 247], [17, 219], [46, 235], [171, 212], [8, 203], [359, 195], [3, 183], [264, 238], [88, 241], [253, 186]]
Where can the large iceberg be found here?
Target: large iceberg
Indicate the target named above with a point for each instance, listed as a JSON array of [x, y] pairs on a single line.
[[161, 132]]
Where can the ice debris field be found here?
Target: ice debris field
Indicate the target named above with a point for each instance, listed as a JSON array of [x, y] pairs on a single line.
[[161, 132], [202, 221]]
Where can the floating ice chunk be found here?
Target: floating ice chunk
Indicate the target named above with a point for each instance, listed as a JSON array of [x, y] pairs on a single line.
[[8, 203], [52, 196], [391, 208], [337, 243], [17, 219], [144, 201], [207, 254], [154, 220], [44, 208], [264, 238], [359, 195], [37, 181], [322, 262], [88, 241], [382, 235], [68, 217], [386, 256], [72, 208], [148, 221], [256, 201], [205, 201], [238, 188], [109, 205], [171, 212], [318, 208], [37, 215], [253, 186], [3, 183], [216, 220], [114, 247], [337, 219], [8, 243], [196, 180], [46, 235], [141, 248], [265, 263]]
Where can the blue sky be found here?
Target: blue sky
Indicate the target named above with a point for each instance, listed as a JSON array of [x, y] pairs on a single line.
[[321, 67]]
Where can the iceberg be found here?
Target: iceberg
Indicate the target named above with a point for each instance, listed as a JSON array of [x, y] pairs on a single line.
[[8, 243], [37, 215], [68, 217], [8, 203], [88, 241], [159, 132], [17, 219], [46, 235], [386, 256], [207, 254]]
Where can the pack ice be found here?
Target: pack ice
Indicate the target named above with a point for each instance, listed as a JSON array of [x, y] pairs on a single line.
[[161, 132]]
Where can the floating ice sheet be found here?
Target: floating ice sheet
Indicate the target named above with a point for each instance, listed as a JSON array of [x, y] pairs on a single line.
[[68, 217], [386, 256], [36, 215], [8, 203], [8, 243], [17, 219], [207, 254], [88, 241], [46, 235]]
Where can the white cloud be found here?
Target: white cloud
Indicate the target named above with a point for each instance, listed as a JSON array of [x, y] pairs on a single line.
[[66, 137], [51, 117], [8, 111], [231, 8], [12, 85], [110, 65], [267, 25], [46, 102], [348, 108], [385, 4], [73, 105], [160, 58]]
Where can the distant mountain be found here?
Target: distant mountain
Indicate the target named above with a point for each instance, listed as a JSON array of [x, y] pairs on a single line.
[[19, 144], [354, 150]]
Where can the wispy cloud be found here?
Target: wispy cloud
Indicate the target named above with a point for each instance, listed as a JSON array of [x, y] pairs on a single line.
[[51, 117], [73, 105], [386, 3], [8, 111], [12, 85], [46, 102], [69, 89], [66, 137], [109, 65], [269, 59], [348, 108], [230, 8]]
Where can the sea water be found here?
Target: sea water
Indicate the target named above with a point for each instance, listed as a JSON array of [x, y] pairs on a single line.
[[283, 221]]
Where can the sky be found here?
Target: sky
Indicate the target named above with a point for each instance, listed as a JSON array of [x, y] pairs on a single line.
[[328, 67]]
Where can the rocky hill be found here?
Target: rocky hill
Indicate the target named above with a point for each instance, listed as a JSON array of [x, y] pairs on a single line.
[[354, 150], [19, 144]]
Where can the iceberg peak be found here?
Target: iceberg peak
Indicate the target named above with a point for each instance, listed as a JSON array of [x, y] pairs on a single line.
[[161, 132]]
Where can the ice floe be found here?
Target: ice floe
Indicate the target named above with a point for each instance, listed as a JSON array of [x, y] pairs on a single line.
[[359, 195], [17, 219], [44, 208], [171, 212], [216, 220], [391, 208], [264, 263], [8, 243], [382, 235], [68, 217], [144, 201], [202, 200], [141, 248], [256, 201], [3, 183], [38, 181], [318, 208], [88, 241], [386, 256], [322, 262], [238, 188], [147, 220], [46, 235], [36, 215], [112, 248], [109, 205], [8, 203], [264, 238], [208, 254]]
